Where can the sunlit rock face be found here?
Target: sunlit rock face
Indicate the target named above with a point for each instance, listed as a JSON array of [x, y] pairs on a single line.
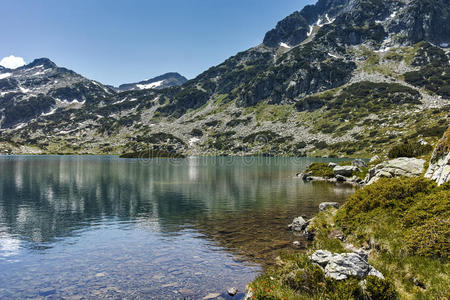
[[439, 169]]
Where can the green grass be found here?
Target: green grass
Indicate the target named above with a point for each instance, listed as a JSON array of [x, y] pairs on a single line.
[[270, 113], [404, 223]]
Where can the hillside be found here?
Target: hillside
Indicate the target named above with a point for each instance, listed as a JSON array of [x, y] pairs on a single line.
[[344, 78]]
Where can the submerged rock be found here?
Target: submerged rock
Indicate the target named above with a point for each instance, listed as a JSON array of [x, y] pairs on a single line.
[[211, 296], [342, 266], [403, 166], [324, 205]]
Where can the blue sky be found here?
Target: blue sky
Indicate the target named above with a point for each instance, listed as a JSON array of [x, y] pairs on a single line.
[[124, 41]]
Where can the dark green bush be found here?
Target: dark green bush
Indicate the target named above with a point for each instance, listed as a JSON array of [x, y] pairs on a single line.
[[419, 207], [320, 169], [390, 196], [376, 288], [196, 132], [409, 149]]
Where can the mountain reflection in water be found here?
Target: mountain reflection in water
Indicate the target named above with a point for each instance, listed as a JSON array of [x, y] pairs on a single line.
[[173, 228]]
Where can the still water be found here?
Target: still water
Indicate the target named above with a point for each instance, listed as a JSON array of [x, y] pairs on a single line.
[[89, 227]]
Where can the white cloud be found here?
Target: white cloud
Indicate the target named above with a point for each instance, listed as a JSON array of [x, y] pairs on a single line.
[[12, 62]]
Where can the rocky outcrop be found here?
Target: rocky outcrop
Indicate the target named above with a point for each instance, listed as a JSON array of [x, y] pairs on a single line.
[[439, 169], [342, 266], [346, 171], [403, 166], [359, 163]]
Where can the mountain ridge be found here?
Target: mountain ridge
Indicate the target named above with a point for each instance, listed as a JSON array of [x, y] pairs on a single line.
[[159, 82], [356, 84]]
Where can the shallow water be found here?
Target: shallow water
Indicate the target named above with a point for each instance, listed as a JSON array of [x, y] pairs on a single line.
[[77, 227]]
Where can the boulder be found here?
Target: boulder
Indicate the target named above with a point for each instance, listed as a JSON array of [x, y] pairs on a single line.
[[359, 163], [232, 291], [374, 159], [342, 266], [403, 166], [332, 164], [299, 224], [439, 169], [340, 178], [248, 295], [324, 205], [345, 171]]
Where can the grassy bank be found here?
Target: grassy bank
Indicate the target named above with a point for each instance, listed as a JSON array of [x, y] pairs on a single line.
[[403, 223]]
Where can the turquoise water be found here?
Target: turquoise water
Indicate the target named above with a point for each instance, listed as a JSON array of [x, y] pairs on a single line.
[[77, 227]]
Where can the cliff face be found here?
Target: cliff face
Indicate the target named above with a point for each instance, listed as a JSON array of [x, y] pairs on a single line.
[[439, 169]]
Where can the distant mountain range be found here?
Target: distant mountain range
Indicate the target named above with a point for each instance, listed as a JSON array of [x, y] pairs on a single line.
[[160, 82], [341, 77], [41, 88]]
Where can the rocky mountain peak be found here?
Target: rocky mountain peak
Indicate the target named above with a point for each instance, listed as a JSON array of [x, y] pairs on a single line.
[[398, 22], [44, 62]]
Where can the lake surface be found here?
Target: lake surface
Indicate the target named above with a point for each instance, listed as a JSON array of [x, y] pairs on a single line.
[[77, 227]]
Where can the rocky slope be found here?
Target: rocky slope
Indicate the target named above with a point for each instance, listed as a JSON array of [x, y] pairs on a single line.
[[40, 88], [347, 78]]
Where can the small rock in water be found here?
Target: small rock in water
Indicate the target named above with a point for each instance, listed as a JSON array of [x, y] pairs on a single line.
[[232, 291], [186, 292], [211, 296]]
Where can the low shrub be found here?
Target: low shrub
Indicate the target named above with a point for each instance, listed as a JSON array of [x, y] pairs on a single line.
[[409, 149], [320, 169]]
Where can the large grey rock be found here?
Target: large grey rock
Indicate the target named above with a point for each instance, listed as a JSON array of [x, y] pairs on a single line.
[[321, 257], [342, 266], [346, 171], [403, 166], [324, 205], [359, 163], [374, 159], [439, 171]]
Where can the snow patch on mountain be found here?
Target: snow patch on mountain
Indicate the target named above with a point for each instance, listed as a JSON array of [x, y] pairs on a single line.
[[5, 75], [51, 112], [285, 45], [24, 90], [150, 85]]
